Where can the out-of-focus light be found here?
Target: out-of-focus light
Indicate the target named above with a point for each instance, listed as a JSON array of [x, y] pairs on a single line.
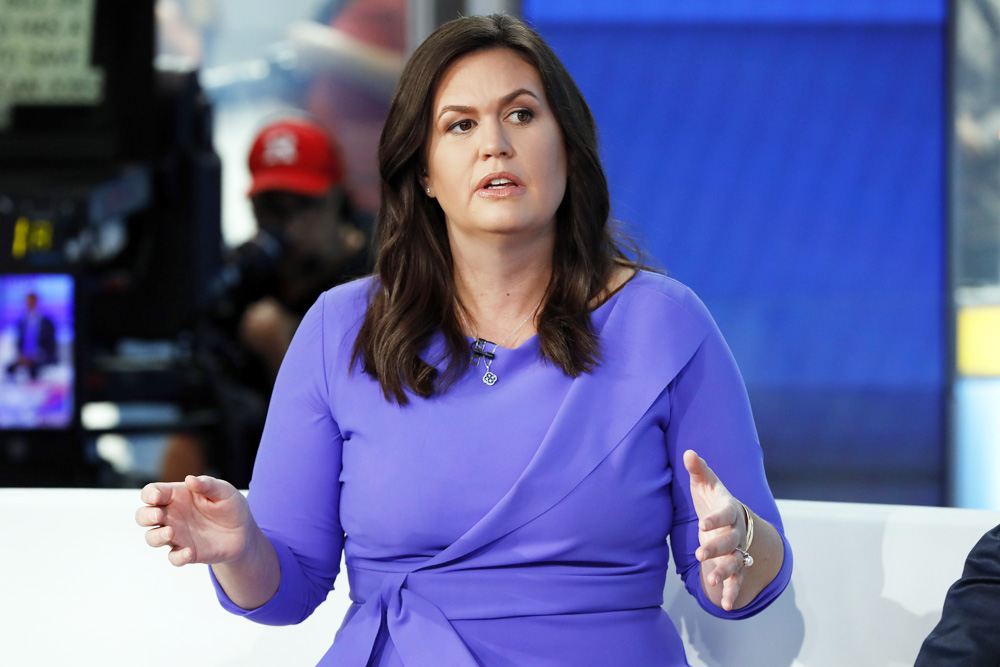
[[99, 416], [116, 450]]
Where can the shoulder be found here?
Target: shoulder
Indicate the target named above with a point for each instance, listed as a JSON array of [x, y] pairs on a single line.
[[983, 562], [344, 306], [655, 316], [654, 293], [337, 316], [965, 635], [353, 294]]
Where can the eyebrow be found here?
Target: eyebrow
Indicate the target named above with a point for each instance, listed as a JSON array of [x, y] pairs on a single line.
[[506, 99]]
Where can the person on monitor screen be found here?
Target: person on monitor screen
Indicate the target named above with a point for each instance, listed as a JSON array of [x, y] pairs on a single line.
[[36, 340], [308, 239], [508, 430]]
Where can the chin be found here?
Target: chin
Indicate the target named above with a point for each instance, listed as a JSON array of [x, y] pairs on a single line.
[[520, 229], [516, 224]]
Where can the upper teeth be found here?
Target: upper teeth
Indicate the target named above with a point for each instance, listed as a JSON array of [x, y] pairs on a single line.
[[500, 181]]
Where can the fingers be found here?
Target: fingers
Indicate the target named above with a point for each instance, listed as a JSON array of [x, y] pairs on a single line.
[[725, 516], [149, 516], [158, 493], [727, 572], [172, 513], [163, 493], [731, 590], [729, 566], [718, 532], [159, 537], [180, 556], [209, 487], [717, 546]]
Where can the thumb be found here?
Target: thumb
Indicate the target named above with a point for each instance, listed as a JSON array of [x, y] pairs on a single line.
[[209, 487], [695, 466]]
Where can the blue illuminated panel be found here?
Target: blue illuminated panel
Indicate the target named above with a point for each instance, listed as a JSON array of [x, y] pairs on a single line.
[[786, 160], [734, 11]]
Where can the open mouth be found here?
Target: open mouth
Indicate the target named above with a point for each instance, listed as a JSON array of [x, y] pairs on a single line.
[[498, 183]]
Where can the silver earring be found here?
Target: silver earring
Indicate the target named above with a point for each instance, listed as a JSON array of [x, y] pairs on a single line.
[[428, 192]]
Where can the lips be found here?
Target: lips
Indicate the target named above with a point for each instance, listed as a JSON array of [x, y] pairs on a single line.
[[498, 181]]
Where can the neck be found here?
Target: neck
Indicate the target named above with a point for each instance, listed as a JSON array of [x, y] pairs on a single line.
[[499, 285]]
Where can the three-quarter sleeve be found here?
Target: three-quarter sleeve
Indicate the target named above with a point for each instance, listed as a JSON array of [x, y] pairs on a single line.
[[295, 490], [710, 413]]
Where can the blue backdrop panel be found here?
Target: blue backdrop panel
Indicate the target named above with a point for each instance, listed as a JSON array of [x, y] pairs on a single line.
[[728, 11], [791, 170]]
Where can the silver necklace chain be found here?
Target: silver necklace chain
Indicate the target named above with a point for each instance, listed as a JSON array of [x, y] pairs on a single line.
[[489, 377]]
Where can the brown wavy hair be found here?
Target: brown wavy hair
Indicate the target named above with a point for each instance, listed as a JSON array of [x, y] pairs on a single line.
[[413, 294]]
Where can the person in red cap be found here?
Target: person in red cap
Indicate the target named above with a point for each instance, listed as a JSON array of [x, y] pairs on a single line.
[[308, 240], [299, 200], [294, 155]]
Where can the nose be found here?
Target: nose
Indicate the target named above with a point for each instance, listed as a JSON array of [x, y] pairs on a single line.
[[495, 141]]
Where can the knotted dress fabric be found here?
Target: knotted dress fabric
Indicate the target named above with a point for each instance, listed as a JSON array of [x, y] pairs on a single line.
[[524, 523], [418, 607]]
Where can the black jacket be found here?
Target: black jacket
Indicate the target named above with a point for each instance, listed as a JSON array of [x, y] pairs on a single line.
[[969, 632], [46, 340]]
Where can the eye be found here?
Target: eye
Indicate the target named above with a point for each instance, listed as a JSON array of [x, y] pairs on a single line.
[[521, 116], [461, 127]]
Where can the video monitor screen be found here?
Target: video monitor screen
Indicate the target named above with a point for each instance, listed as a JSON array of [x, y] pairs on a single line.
[[37, 365]]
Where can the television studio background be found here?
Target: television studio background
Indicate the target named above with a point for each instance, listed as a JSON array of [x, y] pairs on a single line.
[[825, 175]]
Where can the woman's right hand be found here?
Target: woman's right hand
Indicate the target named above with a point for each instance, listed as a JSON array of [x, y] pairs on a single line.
[[202, 519]]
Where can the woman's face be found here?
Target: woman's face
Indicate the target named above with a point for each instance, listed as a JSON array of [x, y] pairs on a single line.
[[496, 162]]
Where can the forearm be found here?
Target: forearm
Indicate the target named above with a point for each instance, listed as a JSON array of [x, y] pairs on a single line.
[[768, 552], [253, 578], [267, 328]]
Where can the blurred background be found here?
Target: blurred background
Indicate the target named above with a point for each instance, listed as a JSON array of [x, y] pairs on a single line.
[[825, 175]]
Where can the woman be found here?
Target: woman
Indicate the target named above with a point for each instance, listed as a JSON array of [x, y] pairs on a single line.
[[515, 511]]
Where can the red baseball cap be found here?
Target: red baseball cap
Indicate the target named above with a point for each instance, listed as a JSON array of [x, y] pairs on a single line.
[[294, 155]]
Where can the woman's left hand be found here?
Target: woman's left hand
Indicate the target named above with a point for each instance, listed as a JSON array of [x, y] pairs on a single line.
[[721, 529]]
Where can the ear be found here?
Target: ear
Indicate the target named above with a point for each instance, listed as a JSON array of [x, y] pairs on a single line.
[[425, 183]]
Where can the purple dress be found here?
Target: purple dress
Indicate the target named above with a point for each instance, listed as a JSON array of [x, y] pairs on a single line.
[[520, 524]]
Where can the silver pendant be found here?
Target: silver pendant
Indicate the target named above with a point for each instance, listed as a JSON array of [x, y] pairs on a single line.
[[490, 378]]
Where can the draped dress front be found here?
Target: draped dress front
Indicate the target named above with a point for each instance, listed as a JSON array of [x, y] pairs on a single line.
[[526, 523]]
